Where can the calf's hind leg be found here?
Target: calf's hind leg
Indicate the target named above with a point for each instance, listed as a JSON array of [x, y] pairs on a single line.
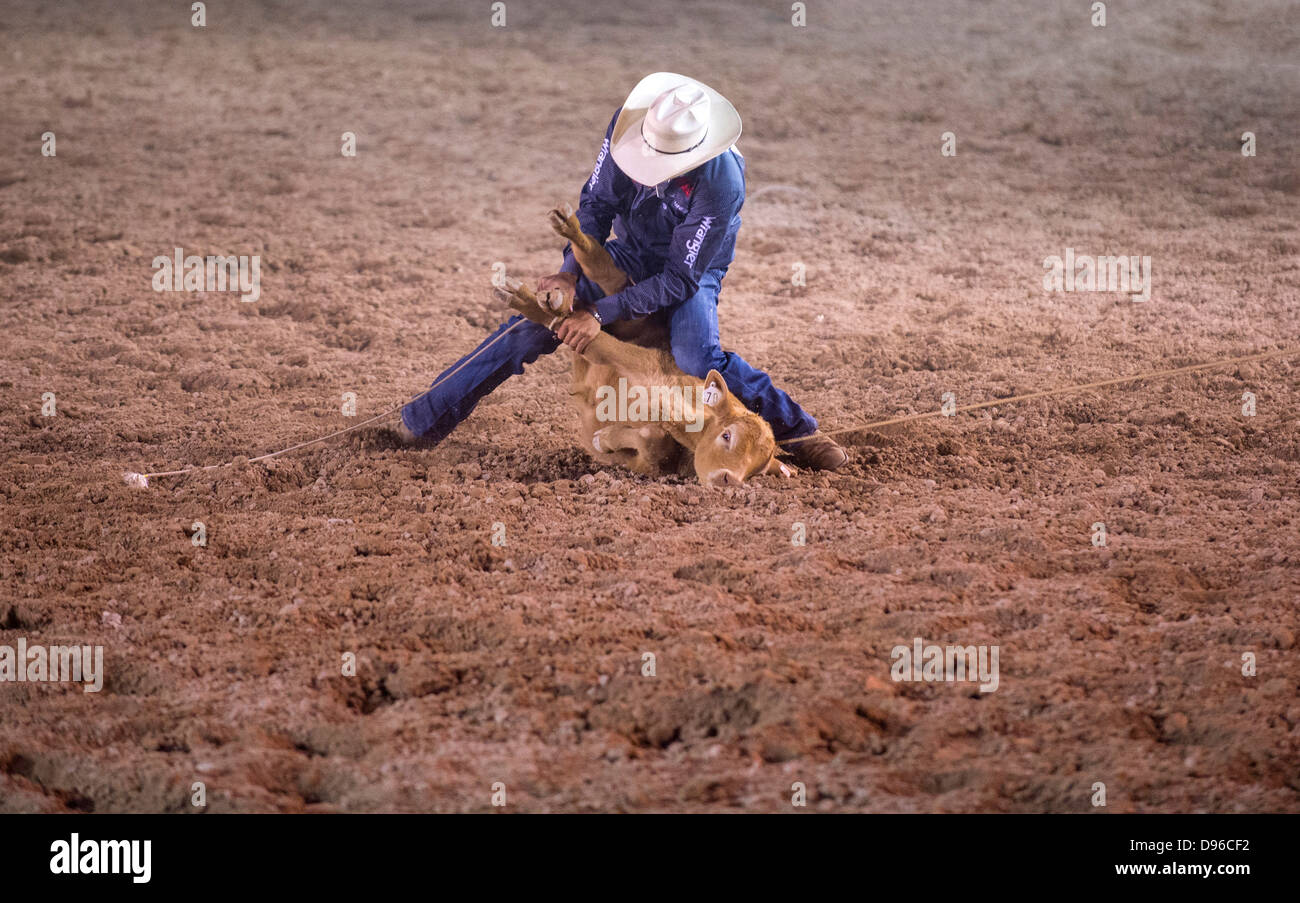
[[646, 449]]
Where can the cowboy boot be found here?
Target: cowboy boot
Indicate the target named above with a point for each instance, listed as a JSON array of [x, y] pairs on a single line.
[[817, 452], [401, 434]]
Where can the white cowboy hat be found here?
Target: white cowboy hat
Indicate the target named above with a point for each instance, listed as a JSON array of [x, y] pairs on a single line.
[[669, 125]]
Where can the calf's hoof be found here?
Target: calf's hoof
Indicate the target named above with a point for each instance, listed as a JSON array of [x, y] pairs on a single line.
[[565, 223]]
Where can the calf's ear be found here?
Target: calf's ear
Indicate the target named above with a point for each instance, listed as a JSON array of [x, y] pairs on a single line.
[[715, 389]]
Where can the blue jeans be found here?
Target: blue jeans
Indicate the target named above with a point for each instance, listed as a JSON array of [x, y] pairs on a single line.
[[692, 325]]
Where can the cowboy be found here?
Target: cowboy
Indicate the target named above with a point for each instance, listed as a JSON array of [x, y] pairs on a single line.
[[670, 183]]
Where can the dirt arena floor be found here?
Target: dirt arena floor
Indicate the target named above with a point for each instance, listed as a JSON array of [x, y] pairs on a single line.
[[522, 663]]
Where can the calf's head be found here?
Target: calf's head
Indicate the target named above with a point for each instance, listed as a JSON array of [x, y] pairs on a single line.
[[734, 443]]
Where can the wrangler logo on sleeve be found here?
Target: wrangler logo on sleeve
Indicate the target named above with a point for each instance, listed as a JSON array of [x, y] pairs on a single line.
[[600, 161], [693, 246]]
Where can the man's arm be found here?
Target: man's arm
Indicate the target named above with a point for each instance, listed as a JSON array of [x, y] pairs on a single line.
[[695, 244], [599, 201]]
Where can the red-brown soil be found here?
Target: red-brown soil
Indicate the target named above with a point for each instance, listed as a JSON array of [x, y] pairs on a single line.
[[522, 663]]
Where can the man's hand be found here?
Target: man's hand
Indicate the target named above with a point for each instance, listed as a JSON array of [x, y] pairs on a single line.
[[563, 282], [577, 330]]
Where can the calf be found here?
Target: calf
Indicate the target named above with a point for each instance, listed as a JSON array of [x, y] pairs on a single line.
[[626, 377]]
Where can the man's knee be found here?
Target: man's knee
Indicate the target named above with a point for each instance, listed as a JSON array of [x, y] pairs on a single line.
[[523, 344], [697, 360]]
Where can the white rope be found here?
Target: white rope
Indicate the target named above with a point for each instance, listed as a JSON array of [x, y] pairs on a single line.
[[142, 479], [1154, 374]]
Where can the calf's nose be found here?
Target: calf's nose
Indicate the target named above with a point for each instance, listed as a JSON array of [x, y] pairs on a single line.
[[719, 479]]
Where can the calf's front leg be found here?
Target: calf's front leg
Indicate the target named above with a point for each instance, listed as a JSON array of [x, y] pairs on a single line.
[[603, 349], [591, 255]]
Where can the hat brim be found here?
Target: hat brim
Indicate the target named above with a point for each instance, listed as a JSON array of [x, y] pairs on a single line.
[[644, 164]]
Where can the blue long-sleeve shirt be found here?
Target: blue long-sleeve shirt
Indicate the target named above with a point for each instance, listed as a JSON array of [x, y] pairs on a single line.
[[668, 235]]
